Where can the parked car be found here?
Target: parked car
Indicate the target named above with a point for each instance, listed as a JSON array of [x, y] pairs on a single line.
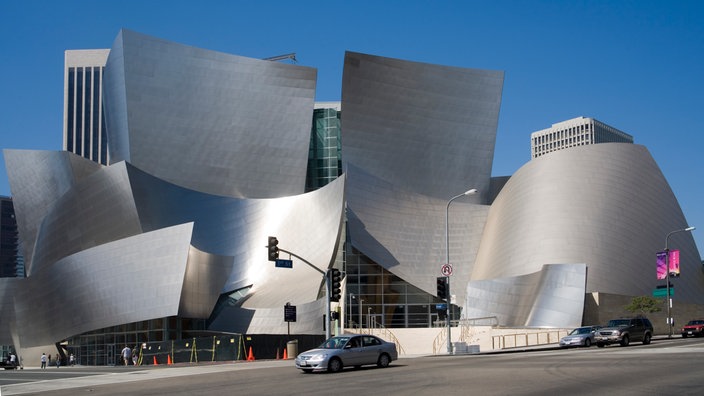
[[581, 336], [346, 350], [693, 328], [623, 331]]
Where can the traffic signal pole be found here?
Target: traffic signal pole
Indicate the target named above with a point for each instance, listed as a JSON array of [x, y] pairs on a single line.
[[327, 289]]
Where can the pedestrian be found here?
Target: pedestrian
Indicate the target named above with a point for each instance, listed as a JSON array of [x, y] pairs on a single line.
[[126, 354], [13, 360], [135, 357], [58, 360], [44, 358], [72, 360]]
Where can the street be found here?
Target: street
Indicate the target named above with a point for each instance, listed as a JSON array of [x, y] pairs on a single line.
[[664, 367]]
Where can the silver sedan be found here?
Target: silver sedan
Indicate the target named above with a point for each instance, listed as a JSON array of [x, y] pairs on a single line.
[[347, 350], [581, 336]]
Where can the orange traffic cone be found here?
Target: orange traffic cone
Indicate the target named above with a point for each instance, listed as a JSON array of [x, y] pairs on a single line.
[[168, 360], [250, 357], [285, 356], [155, 363]]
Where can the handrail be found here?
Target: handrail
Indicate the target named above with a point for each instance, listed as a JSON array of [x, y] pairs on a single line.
[[386, 334], [466, 330], [499, 341]]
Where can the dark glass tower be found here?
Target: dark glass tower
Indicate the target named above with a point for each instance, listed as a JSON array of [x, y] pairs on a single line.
[[11, 262], [324, 159]]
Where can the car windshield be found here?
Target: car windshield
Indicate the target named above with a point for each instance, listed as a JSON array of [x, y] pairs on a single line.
[[334, 343], [581, 330], [696, 322], [619, 322]]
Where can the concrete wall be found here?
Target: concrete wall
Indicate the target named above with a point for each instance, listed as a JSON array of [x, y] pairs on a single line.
[[433, 341]]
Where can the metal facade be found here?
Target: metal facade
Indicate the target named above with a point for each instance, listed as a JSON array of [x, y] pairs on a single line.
[[415, 135], [605, 205], [551, 297], [209, 155], [240, 126]]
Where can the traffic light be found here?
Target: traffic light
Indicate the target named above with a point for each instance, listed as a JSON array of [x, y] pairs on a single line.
[[442, 287], [442, 312], [273, 248], [335, 286]]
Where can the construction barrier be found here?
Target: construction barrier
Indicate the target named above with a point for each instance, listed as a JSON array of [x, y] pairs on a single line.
[[193, 350]]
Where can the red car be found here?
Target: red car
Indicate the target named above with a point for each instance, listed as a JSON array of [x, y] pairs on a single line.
[[693, 328]]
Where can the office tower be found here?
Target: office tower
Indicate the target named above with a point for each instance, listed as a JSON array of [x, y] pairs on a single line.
[[575, 132], [84, 125]]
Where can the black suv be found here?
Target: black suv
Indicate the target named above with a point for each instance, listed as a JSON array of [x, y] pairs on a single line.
[[623, 331]]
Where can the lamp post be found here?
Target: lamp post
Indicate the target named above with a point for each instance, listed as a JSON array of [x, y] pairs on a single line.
[[667, 269], [447, 251]]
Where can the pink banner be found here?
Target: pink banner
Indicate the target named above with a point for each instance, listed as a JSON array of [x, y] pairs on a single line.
[[662, 274], [673, 261]]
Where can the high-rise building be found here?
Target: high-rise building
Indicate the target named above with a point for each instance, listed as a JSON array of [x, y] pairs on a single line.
[[84, 125], [575, 132], [11, 263]]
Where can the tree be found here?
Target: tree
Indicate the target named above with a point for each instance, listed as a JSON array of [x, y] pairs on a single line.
[[643, 305]]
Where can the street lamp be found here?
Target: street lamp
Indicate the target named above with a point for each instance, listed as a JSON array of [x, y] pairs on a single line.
[[667, 269], [447, 251]]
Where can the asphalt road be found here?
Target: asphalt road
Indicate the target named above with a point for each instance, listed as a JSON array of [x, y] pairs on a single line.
[[666, 367]]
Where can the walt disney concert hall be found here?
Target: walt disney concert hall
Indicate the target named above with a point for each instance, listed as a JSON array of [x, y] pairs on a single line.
[[209, 155]]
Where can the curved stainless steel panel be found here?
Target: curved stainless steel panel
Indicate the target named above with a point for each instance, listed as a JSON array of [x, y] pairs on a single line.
[[240, 126], [79, 248], [129, 280], [551, 297], [405, 232], [428, 129], [38, 179], [205, 276], [98, 209], [309, 225], [606, 205], [414, 136]]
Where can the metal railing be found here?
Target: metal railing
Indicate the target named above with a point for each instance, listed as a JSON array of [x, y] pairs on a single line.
[[382, 332], [467, 330], [526, 339]]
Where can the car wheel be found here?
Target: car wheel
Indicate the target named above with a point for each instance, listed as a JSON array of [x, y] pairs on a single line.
[[383, 361], [587, 342], [625, 341], [646, 339], [600, 344], [334, 365]]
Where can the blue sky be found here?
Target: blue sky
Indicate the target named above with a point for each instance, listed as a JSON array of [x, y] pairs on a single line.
[[635, 65]]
